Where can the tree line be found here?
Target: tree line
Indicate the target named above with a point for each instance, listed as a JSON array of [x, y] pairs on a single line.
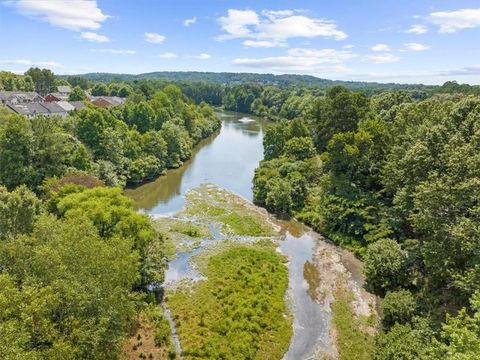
[[77, 262], [396, 180]]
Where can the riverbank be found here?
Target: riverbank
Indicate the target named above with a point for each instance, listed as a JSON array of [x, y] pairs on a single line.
[[220, 276]]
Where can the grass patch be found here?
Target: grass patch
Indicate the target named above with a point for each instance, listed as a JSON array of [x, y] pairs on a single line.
[[353, 342], [239, 312], [212, 204], [245, 225]]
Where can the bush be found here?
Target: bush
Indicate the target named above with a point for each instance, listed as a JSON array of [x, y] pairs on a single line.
[[385, 265], [398, 307]]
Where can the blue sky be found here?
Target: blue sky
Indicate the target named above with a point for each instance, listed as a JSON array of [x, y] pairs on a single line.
[[388, 40]]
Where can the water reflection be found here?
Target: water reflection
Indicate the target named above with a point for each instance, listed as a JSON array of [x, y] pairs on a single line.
[[227, 159]]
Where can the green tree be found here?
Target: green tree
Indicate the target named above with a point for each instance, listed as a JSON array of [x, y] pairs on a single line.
[[16, 150], [43, 79], [385, 265], [398, 307], [18, 211], [77, 94], [99, 89]]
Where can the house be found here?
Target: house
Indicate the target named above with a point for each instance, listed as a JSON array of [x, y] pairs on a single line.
[[60, 108], [54, 109], [107, 101], [64, 90], [78, 105], [56, 96], [19, 97], [28, 109], [71, 105]]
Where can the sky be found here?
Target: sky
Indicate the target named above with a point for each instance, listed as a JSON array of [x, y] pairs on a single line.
[[421, 41]]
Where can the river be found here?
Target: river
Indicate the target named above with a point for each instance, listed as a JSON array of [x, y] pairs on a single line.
[[228, 159]]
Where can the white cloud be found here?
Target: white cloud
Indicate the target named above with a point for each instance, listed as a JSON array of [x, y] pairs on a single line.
[[94, 37], [416, 46], [237, 23], [383, 58], [114, 51], [301, 60], [168, 55], [188, 22], [154, 38], [203, 56], [349, 46], [26, 62], [262, 43], [381, 47], [452, 21], [275, 27], [417, 29], [69, 14]]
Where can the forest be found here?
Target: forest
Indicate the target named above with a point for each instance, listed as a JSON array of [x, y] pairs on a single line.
[[395, 180], [391, 174]]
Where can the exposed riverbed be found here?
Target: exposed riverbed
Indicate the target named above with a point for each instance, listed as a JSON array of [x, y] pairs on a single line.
[[316, 267]]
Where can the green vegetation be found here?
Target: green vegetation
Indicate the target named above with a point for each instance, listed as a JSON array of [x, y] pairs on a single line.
[[219, 206], [73, 270], [214, 322], [395, 179], [128, 144], [150, 336], [353, 339]]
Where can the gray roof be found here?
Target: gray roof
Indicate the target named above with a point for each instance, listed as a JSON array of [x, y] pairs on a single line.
[[20, 95], [59, 95], [28, 109], [65, 105], [114, 100], [53, 108], [77, 104], [64, 89]]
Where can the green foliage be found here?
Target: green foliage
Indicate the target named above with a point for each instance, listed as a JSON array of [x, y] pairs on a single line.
[[239, 311], [99, 89], [13, 82], [43, 79], [113, 216], [65, 292], [403, 342], [398, 307], [299, 148], [385, 265], [19, 210], [77, 94], [353, 342]]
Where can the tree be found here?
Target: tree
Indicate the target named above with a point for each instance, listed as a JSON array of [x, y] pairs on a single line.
[[19, 210], [77, 94], [461, 334], [403, 342], [339, 111], [385, 265], [16, 150], [114, 217], [300, 148], [100, 89], [43, 79], [65, 292], [398, 307]]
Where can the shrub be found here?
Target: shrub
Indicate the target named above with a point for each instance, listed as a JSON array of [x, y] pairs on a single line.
[[398, 307]]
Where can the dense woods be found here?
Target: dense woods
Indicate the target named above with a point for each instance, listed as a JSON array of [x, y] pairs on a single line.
[[76, 259], [395, 180]]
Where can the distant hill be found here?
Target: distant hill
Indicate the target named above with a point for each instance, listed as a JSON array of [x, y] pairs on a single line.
[[227, 78]]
